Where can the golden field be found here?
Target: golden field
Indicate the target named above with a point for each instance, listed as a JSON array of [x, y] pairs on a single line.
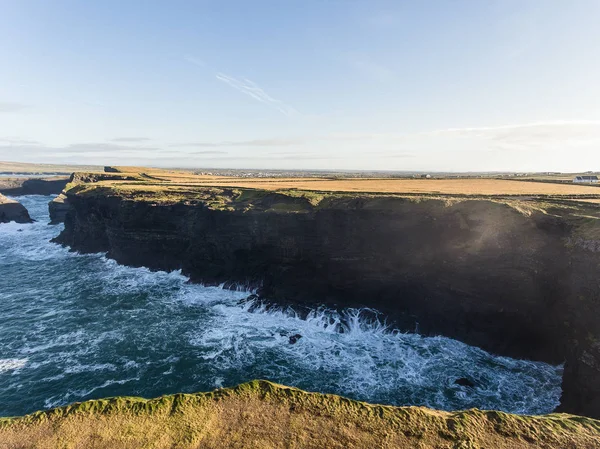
[[474, 186]]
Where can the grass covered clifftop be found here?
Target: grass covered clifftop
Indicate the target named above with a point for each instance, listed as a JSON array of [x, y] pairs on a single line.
[[303, 195], [577, 206], [261, 414]]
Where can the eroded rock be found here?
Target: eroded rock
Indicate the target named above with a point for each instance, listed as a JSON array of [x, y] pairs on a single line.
[[11, 210], [58, 208]]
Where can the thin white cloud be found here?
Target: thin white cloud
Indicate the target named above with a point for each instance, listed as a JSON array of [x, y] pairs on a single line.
[[252, 89], [245, 86], [130, 139], [245, 143], [8, 106], [542, 138], [17, 141], [548, 124], [207, 153], [77, 148]]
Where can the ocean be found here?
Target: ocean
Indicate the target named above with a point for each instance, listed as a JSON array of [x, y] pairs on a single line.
[[76, 327]]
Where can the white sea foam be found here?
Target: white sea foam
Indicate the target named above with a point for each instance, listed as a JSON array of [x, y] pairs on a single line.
[[7, 365], [366, 359]]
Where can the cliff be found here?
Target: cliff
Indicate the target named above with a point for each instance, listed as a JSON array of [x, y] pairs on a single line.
[[263, 414], [515, 276], [11, 210], [32, 186]]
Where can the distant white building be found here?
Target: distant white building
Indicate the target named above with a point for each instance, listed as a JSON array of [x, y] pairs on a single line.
[[579, 179]]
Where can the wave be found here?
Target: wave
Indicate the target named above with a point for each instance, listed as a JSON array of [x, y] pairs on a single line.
[[7, 365]]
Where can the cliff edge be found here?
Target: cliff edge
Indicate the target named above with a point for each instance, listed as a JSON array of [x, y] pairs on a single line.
[[263, 414], [32, 186]]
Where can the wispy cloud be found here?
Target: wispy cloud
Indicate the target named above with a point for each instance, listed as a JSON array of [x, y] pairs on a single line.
[[557, 124], [251, 89], [244, 143], [17, 141], [101, 147], [32, 147], [245, 86], [8, 106], [566, 135], [208, 153], [131, 139]]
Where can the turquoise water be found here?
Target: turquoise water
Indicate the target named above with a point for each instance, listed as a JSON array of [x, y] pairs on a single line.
[[76, 327]]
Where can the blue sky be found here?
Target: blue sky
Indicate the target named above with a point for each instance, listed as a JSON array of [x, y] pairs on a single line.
[[457, 85]]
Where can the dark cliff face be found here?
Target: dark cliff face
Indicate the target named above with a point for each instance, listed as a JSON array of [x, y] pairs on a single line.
[[58, 209], [479, 271], [32, 186]]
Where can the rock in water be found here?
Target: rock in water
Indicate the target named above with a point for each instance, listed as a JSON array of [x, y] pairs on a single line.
[[464, 382], [11, 210], [294, 338]]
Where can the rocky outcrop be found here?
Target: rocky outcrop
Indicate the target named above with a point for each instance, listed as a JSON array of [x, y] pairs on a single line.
[[58, 209], [260, 414], [11, 210], [59, 206], [511, 280], [32, 186]]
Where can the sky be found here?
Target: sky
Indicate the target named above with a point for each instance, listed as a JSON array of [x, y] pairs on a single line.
[[445, 85]]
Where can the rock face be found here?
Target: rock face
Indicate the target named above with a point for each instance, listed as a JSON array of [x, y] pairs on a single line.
[[11, 210], [480, 271], [58, 208], [32, 186]]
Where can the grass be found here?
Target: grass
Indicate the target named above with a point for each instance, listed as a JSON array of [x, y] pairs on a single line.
[[474, 186], [261, 414], [316, 189], [291, 195], [19, 167]]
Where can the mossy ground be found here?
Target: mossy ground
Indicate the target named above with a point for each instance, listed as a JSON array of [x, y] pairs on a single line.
[[260, 414]]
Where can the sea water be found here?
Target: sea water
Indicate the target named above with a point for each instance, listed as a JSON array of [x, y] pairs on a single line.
[[76, 327]]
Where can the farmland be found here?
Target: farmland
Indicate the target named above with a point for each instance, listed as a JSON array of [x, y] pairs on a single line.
[[468, 186]]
